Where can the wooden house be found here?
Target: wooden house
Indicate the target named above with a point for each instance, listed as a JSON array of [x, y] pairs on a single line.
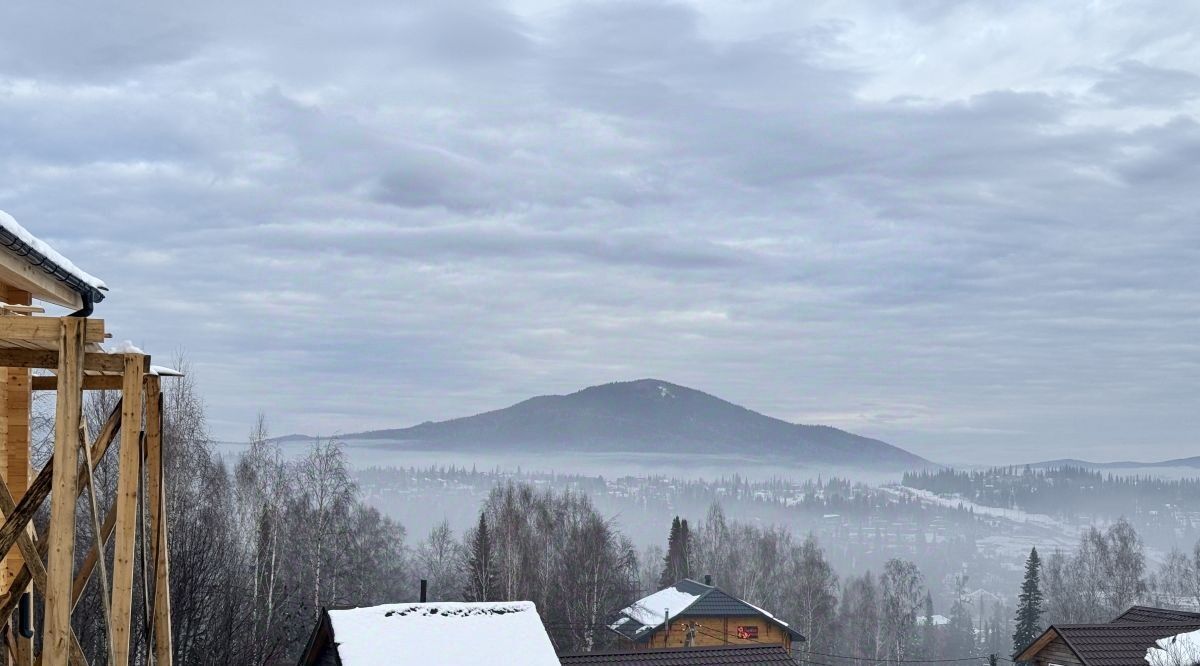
[[67, 349], [1129, 640], [693, 614]]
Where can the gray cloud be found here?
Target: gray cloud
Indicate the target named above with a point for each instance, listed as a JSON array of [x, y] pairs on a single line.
[[372, 215]]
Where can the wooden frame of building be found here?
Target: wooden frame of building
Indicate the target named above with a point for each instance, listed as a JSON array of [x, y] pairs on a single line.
[[69, 347]]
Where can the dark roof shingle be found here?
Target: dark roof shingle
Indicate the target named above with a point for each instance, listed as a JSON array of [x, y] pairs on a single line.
[[694, 656], [1118, 644], [1149, 614]]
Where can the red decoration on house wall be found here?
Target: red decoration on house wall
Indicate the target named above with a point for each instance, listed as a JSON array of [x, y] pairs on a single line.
[[747, 633]]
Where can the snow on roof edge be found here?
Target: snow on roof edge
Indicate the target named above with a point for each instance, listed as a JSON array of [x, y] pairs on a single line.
[[1173, 650], [8, 222]]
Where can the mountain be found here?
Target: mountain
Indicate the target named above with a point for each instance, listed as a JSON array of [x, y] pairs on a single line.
[[1193, 461], [653, 416]]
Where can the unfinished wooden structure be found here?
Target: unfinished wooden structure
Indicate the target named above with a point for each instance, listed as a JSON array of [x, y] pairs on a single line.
[[67, 349]]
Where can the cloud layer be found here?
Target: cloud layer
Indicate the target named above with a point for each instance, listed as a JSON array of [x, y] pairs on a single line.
[[967, 228]]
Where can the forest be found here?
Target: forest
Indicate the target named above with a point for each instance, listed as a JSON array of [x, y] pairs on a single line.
[[1067, 490], [259, 544]]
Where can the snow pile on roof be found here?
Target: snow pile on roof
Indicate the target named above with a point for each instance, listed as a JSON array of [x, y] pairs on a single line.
[[651, 611], [448, 634], [50, 253], [1178, 650], [765, 613], [123, 347], [937, 620], [164, 371]]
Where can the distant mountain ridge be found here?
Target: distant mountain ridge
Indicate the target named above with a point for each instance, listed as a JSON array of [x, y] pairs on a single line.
[[1193, 461], [651, 416]]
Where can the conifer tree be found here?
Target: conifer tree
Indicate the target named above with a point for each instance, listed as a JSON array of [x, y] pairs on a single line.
[[675, 562], [482, 584], [1029, 604], [929, 629]]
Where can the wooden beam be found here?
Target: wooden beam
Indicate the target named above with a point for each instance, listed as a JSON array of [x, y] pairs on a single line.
[[33, 499], [61, 534], [48, 359], [40, 488], [156, 494], [23, 275], [95, 511], [14, 421], [45, 329], [90, 562], [128, 481], [90, 383], [37, 571]]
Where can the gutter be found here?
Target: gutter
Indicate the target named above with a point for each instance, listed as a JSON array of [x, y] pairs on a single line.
[[87, 292]]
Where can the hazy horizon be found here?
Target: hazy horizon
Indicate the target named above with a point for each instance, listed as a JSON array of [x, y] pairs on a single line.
[[956, 227]]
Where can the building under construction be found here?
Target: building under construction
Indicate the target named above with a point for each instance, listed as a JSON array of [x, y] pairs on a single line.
[[68, 353]]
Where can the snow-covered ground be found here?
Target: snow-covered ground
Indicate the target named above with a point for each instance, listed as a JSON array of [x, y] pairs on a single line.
[[1040, 520]]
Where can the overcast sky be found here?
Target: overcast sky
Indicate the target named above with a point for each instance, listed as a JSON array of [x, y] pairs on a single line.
[[970, 229]]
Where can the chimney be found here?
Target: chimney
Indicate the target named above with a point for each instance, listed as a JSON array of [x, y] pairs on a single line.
[[424, 589], [708, 579]]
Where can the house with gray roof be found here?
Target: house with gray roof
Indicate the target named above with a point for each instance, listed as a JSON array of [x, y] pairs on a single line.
[[694, 614]]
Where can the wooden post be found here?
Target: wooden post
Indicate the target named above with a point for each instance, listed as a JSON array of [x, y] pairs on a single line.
[[163, 645], [128, 478], [93, 504], [56, 639], [15, 397]]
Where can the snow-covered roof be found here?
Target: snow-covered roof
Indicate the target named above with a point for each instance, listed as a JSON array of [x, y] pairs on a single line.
[[449, 634], [651, 611], [17, 241], [1178, 650]]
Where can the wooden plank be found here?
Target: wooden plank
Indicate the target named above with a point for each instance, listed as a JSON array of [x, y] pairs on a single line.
[[90, 562], [128, 481], [18, 470], [23, 275], [16, 416], [22, 309], [45, 329], [90, 383], [61, 533], [95, 511], [48, 359], [156, 494]]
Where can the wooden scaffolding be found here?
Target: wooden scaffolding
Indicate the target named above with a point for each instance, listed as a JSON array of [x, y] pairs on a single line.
[[46, 564]]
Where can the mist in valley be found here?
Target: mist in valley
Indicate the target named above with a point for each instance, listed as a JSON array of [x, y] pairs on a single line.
[[969, 526]]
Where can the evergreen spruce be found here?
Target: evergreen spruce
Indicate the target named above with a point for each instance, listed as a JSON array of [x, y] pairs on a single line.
[[483, 584], [675, 562], [929, 630], [1029, 605]]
